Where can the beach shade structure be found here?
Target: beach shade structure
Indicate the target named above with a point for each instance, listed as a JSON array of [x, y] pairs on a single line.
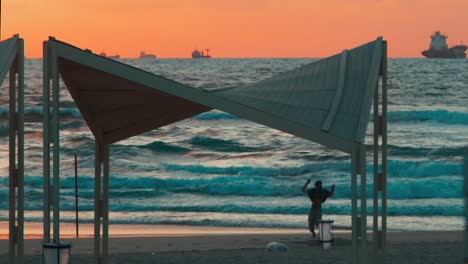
[[12, 64], [328, 102]]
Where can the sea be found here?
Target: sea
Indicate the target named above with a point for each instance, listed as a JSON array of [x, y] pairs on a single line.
[[215, 169]]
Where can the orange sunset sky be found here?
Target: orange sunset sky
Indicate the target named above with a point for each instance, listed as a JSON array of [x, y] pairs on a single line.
[[235, 28]]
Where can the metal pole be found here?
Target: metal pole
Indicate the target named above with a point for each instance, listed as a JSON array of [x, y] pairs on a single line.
[[466, 205], [56, 145], [12, 164], [76, 196], [97, 203], [20, 169], [363, 172], [375, 231], [384, 146], [354, 215], [46, 142], [105, 207]]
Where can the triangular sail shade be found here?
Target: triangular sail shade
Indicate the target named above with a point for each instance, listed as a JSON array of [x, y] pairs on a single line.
[[327, 101], [8, 53]]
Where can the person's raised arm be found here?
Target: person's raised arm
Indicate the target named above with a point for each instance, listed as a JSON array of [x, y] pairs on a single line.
[[332, 190], [305, 185]]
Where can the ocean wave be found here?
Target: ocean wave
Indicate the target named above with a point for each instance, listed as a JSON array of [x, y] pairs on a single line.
[[84, 145], [440, 116], [152, 200], [420, 169], [35, 113], [214, 115], [427, 207], [223, 145], [74, 124], [159, 146], [261, 171], [408, 151], [251, 186], [396, 168]]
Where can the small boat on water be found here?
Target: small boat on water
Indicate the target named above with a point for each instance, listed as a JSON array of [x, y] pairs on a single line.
[[197, 54], [116, 56], [144, 55]]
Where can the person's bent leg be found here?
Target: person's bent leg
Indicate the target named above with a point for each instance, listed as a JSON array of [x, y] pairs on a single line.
[[311, 221], [316, 216]]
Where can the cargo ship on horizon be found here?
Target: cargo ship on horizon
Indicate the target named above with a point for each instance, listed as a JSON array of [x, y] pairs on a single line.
[[144, 55], [440, 49], [197, 54]]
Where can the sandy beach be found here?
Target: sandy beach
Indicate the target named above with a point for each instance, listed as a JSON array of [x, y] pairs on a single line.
[[183, 244]]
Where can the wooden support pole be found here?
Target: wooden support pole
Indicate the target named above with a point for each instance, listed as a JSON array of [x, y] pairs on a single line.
[[363, 213], [105, 207], [377, 129], [20, 158], [97, 203], [16, 155], [46, 143], [466, 205], [76, 196], [384, 147], [13, 175], [354, 209], [380, 161], [56, 145], [359, 210]]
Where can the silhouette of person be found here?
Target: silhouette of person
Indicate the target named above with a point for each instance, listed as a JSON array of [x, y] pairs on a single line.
[[317, 196]]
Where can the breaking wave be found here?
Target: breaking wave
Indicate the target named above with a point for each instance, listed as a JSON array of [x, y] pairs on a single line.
[[440, 116], [159, 146], [35, 113], [222, 145]]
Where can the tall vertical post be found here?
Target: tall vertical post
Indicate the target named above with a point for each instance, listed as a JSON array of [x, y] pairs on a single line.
[[466, 204], [363, 213], [76, 195], [46, 142], [56, 145], [384, 145], [97, 202], [12, 163], [376, 150], [16, 155], [359, 210], [20, 161], [51, 136], [354, 208], [101, 203], [380, 160], [105, 206]]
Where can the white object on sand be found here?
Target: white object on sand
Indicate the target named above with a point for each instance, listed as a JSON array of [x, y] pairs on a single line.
[[276, 247]]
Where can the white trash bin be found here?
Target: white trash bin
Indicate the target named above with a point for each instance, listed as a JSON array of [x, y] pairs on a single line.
[[56, 253], [326, 232]]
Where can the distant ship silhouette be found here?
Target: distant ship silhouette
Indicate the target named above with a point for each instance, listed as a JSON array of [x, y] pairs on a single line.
[[197, 54], [440, 49], [144, 55]]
